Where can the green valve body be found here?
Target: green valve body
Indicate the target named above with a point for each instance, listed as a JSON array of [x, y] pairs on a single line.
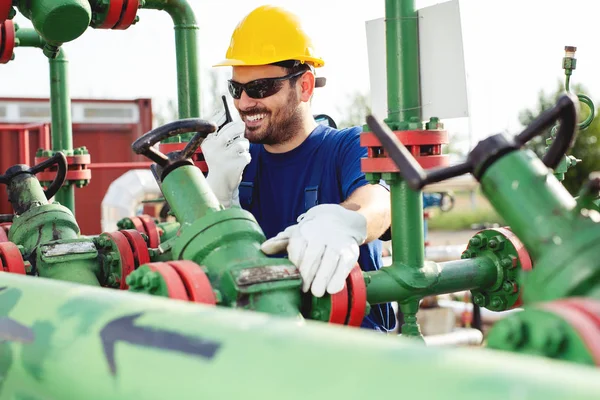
[[227, 243], [560, 238], [71, 342], [57, 21]]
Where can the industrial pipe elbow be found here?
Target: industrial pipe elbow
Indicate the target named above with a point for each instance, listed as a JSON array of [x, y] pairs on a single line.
[[124, 196], [180, 11]]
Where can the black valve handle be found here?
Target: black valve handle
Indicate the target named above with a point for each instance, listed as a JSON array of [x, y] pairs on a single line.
[[57, 159], [143, 145], [488, 150]]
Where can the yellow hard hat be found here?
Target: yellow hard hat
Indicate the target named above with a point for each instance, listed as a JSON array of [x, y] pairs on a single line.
[[268, 35]]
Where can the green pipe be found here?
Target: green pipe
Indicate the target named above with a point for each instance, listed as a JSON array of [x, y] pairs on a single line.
[[402, 61], [403, 285], [407, 219], [62, 130], [186, 48], [188, 194], [27, 37], [134, 346]]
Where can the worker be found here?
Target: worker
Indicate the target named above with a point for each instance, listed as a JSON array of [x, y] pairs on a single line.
[[301, 180]]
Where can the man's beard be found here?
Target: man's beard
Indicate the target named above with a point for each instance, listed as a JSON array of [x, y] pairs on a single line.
[[283, 125]]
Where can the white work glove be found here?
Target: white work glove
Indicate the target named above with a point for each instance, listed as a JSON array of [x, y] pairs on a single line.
[[323, 245], [227, 152]]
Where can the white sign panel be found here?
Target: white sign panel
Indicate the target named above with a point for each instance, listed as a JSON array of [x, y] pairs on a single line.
[[441, 63]]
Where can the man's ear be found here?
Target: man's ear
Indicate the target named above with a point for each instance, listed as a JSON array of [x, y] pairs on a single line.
[[307, 86]]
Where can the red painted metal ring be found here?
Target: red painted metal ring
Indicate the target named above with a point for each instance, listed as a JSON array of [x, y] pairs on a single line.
[[175, 285], [7, 41], [3, 236], [5, 6], [196, 282], [151, 231], [127, 259], [5, 226], [339, 307], [138, 224], [11, 258], [358, 297], [112, 16], [385, 164], [588, 328], [408, 138], [138, 246], [128, 14]]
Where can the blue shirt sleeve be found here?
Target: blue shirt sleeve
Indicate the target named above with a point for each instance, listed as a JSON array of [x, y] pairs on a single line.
[[349, 162]]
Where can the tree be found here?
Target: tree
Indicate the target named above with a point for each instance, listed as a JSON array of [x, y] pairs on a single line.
[[587, 142], [355, 112]]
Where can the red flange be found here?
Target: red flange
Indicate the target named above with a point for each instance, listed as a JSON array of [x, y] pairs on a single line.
[[77, 169], [5, 6], [139, 226], [583, 317], [3, 236], [151, 230], [7, 41], [358, 297], [197, 285], [339, 307], [128, 14], [138, 246], [385, 164], [12, 261], [5, 226], [198, 157], [175, 286], [112, 16], [523, 259], [127, 259]]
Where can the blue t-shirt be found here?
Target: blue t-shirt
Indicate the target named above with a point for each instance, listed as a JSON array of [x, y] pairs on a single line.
[[324, 169]]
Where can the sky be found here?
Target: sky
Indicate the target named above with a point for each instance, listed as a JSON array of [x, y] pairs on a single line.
[[512, 50]]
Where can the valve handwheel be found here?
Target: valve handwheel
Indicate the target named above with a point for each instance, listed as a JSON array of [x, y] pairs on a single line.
[[166, 163], [58, 159]]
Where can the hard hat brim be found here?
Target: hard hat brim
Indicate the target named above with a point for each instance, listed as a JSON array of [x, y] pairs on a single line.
[[315, 62]]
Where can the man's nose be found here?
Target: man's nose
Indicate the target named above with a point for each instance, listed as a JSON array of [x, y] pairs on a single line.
[[245, 102]]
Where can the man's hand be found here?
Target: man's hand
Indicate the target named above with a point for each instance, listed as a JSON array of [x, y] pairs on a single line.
[[324, 245], [227, 152]]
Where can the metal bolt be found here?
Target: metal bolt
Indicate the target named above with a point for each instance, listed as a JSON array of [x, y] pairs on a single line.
[[515, 332], [507, 287], [479, 299], [554, 341], [498, 303], [509, 262], [151, 280], [475, 242], [466, 254]]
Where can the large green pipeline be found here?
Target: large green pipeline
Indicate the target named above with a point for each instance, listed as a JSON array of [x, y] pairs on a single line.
[[92, 343], [186, 48], [60, 105]]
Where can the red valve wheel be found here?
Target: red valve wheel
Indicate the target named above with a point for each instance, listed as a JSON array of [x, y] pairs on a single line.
[[5, 6], [175, 286], [128, 14], [127, 259], [196, 282], [7, 41], [112, 16], [3, 236], [12, 261], [583, 319], [358, 297], [339, 307], [151, 230], [138, 246]]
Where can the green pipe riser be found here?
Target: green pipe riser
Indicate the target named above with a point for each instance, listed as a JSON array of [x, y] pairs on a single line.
[[559, 236], [26, 37], [402, 62], [227, 244], [408, 246], [186, 49], [134, 346], [57, 21], [62, 130], [189, 195]]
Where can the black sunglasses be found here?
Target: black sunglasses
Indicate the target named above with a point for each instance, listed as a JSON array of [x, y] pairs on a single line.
[[260, 88]]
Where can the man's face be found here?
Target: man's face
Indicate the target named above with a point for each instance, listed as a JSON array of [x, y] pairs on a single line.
[[274, 119]]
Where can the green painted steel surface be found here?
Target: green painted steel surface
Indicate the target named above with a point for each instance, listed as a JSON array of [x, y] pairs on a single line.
[[560, 238], [57, 21], [27, 37], [62, 130], [91, 343], [186, 48]]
